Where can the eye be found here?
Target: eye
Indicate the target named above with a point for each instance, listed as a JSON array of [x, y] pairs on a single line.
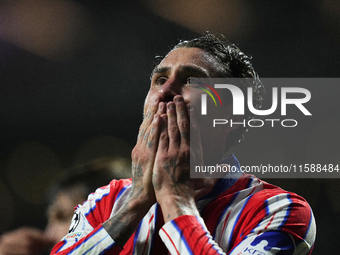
[[190, 81], [161, 81]]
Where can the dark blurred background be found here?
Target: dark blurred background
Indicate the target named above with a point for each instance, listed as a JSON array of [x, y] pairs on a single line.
[[74, 75]]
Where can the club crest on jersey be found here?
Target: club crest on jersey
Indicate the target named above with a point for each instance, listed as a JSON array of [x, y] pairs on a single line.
[[75, 222]]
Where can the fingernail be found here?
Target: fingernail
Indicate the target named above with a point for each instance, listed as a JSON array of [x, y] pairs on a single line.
[[178, 99], [171, 106]]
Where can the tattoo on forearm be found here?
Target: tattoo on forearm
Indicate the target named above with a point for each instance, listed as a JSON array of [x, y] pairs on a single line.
[[119, 227]]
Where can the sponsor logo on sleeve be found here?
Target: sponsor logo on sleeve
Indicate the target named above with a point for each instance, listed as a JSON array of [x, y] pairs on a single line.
[[73, 235], [271, 242]]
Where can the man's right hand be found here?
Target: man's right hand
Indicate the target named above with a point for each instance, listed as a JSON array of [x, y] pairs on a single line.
[[144, 153], [122, 225]]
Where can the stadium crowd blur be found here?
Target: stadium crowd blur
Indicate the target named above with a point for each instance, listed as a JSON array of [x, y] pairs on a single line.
[[73, 73]]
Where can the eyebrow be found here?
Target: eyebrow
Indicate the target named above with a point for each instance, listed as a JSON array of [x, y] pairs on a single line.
[[188, 68], [160, 70]]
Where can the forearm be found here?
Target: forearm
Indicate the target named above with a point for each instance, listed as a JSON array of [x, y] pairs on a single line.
[[108, 236], [175, 206], [122, 225]]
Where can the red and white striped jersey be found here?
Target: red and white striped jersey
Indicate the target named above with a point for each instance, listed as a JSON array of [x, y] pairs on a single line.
[[243, 215]]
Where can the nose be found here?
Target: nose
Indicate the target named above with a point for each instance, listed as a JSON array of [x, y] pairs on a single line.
[[170, 89]]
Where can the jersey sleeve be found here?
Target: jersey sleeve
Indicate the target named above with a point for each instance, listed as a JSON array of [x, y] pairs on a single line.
[[97, 241], [187, 234], [86, 234], [282, 224]]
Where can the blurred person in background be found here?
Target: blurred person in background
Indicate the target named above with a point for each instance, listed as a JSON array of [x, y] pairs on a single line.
[[72, 189]]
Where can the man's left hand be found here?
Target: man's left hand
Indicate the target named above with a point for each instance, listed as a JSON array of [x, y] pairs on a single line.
[[174, 189]]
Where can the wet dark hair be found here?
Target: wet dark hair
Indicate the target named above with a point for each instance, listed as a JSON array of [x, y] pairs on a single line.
[[234, 64]]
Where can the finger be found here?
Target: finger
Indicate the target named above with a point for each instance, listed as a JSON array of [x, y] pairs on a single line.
[[147, 119], [153, 126], [145, 150], [163, 144], [196, 149], [151, 136], [152, 109], [182, 119], [173, 130], [161, 108], [194, 126]]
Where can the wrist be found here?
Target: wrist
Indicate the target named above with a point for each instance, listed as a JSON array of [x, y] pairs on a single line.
[[174, 206], [123, 224], [140, 204]]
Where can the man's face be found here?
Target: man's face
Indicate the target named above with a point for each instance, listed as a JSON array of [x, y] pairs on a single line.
[[172, 77]]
